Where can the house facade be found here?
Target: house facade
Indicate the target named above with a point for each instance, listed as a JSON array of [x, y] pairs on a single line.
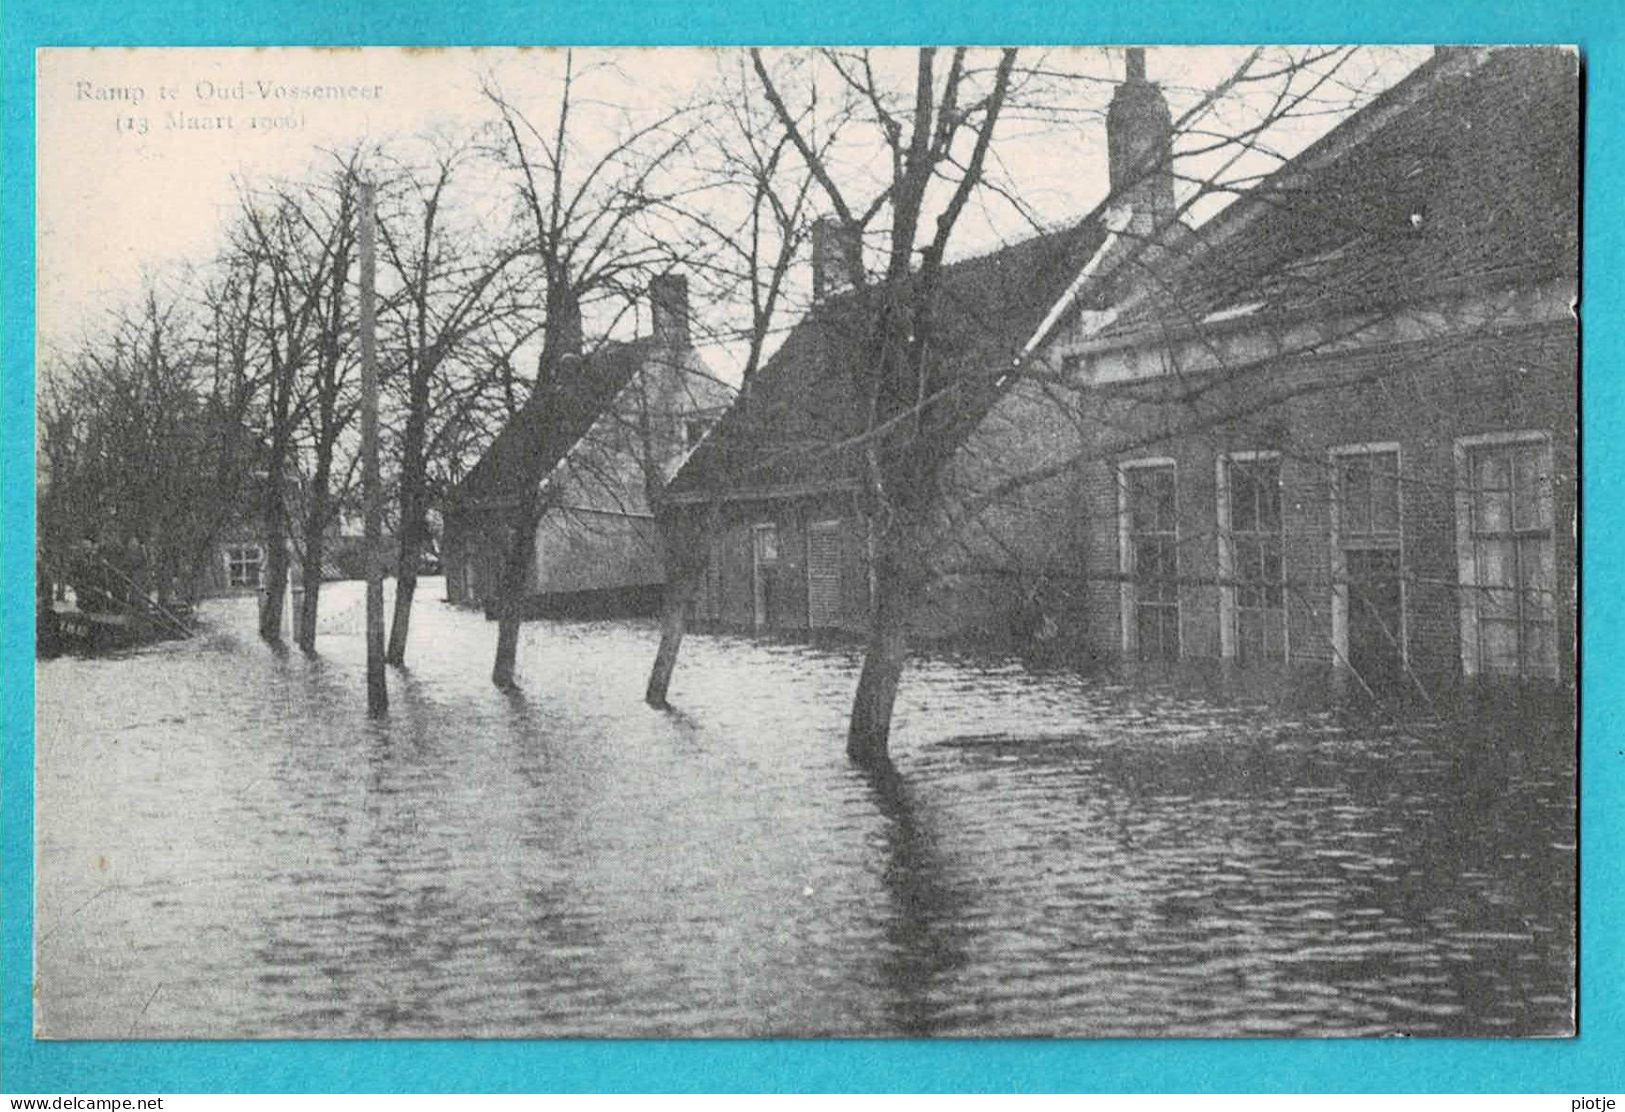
[[235, 565], [1341, 429], [642, 406], [1333, 426]]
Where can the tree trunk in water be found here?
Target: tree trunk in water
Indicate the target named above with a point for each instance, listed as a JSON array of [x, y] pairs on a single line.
[[309, 601], [511, 602], [413, 499], [406, 582], [311, 569], [406, 585], [673, 622], [276, 565], [896, 582], [276, 536], [869, 732], [684, 560]]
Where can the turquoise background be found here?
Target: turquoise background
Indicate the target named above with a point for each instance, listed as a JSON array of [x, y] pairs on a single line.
[[1590, 1063]]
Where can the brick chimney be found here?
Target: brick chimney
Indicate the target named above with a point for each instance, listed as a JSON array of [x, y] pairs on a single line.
[[1139, 146], [832, 249], [668, 310]]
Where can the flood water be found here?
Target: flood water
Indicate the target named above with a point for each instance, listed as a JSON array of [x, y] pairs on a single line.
[[227, 848]]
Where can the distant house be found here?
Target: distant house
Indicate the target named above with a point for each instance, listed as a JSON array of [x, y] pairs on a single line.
[[615, 432], [236, 564], [1333, 425]]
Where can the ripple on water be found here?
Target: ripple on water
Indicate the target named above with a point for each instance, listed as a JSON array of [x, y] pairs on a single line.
[[1056, 855]]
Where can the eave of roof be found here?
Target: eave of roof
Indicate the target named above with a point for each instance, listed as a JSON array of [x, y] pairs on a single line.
[[988, 308], [1241, 269]]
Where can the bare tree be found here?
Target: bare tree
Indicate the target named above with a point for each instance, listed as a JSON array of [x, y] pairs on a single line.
[[936, 132], [940, 136], [329, 213], [140, 452], [451, 294], [579, 207], [746, 225], [274, 234]]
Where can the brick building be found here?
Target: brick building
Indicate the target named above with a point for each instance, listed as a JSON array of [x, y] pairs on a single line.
[[1333, 425], [605, 441]]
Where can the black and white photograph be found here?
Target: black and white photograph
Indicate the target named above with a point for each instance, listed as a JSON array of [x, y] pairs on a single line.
[[806, 542]]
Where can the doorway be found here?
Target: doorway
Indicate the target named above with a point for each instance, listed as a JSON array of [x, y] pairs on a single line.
[[1375, 616], [764, 564]]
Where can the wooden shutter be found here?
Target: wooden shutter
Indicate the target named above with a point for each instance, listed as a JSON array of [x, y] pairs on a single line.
[[824, 574]]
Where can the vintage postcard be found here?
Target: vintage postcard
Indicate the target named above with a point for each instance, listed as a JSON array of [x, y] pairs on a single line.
[[806, 542]]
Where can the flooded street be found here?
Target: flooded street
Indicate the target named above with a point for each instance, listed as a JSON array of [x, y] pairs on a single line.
[[227, 848]]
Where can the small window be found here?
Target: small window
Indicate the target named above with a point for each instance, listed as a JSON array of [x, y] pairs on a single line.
[[1150, 559], [245, 565], [1368, 495], [1253, 599], [767, 544], [1508, 567]]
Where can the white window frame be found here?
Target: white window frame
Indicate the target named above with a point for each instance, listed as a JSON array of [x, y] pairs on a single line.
[[1227, 552], [230, 558], [1127, 619], [1340, 582], [1466, 557]]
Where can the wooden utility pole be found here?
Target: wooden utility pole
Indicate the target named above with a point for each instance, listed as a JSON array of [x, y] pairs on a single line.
[[377, 692]]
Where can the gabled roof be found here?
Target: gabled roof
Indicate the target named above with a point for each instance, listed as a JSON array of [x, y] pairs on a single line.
[[796, 427], [1465, 175], [551, 422], [1466, 171]]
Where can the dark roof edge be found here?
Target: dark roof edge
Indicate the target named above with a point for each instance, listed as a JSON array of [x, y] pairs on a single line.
[[1336, 144], [1445, 292]]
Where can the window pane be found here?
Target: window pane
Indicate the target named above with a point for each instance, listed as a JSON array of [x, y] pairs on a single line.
[[1243, 500], [1153, 560], [1151, 499], [1270, 554], [1492, 512], [1169, 629], [1539, 649], [1497, 565], [1490, 471], [1149, 560], [1497, 603], [1539, 583], [1243, 557], [1355, 496], [1269, 494], [1532, 489], [1498, 645], [767, 544], [1165, 500], [1385, 493]]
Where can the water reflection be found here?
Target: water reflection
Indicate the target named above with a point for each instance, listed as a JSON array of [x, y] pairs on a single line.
[[227, 846], [923, 937]]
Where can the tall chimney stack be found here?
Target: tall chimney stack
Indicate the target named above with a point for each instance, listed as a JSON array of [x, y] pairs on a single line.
[[1139, 146], [833, 248], [668, 310]]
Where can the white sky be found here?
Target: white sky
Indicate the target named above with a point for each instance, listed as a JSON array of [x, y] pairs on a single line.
[[115, 202]]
